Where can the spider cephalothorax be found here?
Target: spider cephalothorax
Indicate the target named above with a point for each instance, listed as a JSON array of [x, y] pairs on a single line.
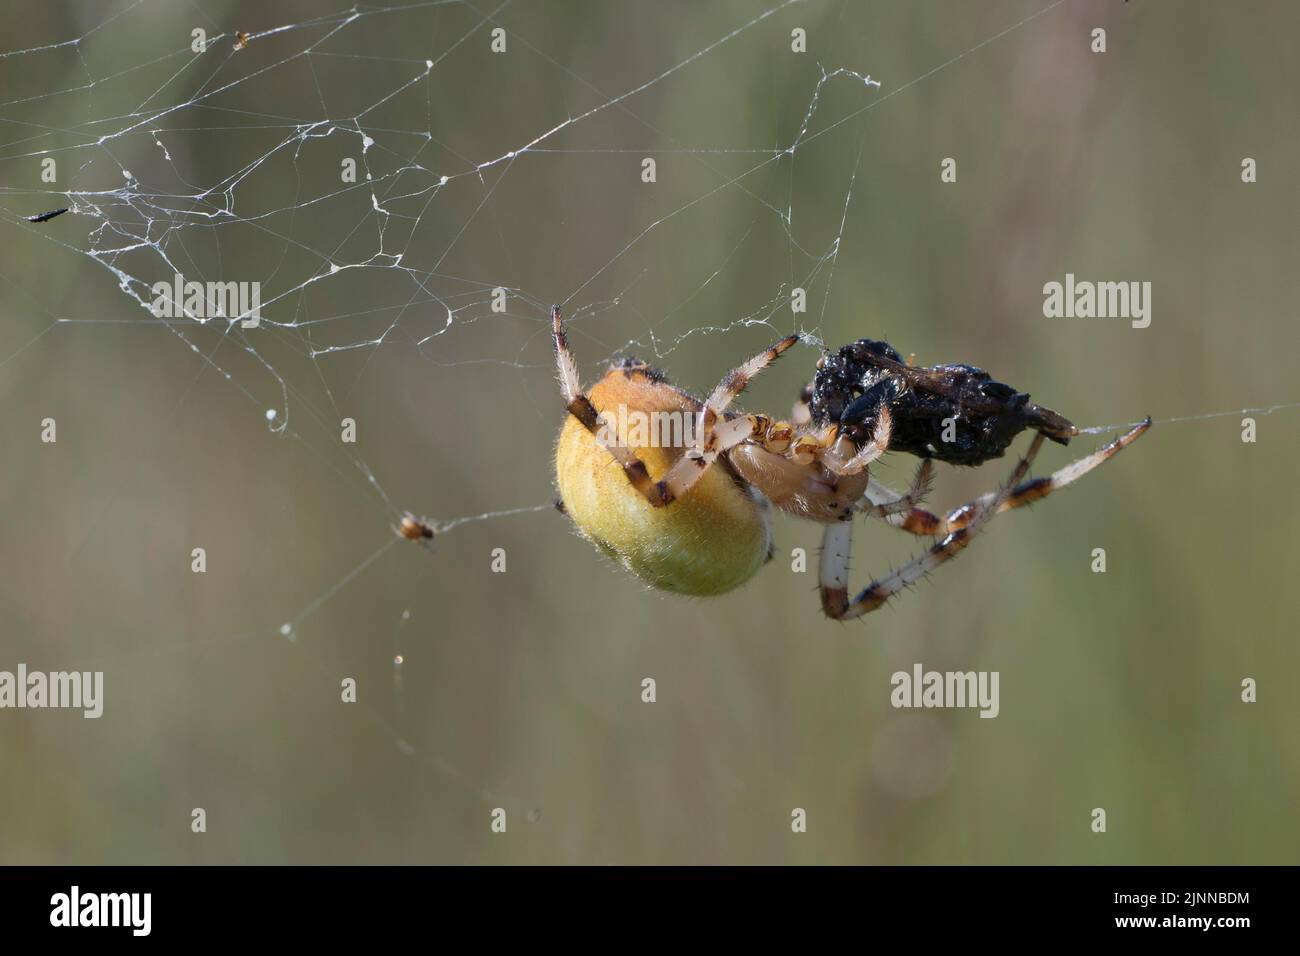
[[644, 490], [955, 413]]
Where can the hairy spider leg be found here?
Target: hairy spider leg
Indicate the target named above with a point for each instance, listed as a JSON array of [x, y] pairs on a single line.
[[921, 522], [711, 439], [837, 542]]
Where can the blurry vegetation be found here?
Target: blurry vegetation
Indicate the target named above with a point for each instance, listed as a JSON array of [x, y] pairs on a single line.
[[522, 690]]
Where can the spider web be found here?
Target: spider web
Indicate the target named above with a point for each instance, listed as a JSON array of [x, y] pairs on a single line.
[[225, 163], [284, 108]]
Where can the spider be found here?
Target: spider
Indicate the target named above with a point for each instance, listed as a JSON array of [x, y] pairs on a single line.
[[242, 40], [695, 517], [415, 529]]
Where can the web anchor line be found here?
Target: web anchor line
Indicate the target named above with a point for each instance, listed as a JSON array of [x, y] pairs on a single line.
[[1262, 410]]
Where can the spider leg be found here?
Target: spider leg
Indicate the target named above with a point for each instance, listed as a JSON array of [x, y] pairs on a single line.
[[918, 521], [688, 469], [732, 385], [838, 538], [711, 439], [892, 502], [735, 381], [580, 407], [878, 444]]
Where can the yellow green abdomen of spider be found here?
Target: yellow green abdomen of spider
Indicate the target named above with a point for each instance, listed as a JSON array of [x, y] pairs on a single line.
[[711, 540]]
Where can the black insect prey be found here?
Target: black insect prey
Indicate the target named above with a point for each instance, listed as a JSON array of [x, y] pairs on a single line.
[[981, 416]]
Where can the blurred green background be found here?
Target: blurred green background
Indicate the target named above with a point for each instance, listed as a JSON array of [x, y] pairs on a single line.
[[522, 690]]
